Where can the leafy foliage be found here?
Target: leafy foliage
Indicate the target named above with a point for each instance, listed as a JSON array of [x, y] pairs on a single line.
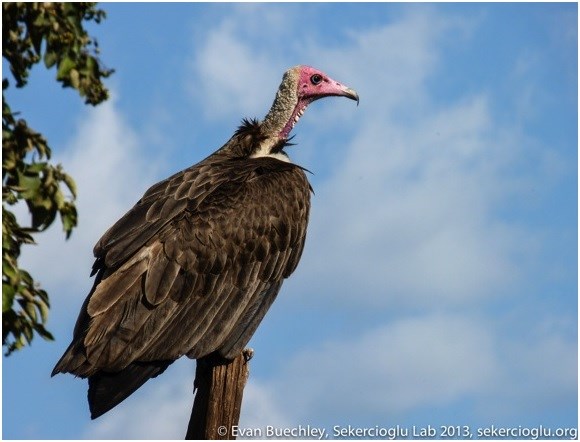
[[26, 26], [54, 33]]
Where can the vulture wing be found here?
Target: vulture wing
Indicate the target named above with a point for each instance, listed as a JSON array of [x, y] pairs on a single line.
[[191, 269]]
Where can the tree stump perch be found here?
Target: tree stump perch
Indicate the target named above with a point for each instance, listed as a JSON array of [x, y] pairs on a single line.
[[219, 386]]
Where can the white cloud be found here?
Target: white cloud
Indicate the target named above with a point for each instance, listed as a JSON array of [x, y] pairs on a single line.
[[414, 203], [395, 74], [230, 77], [539, 370], [260, 407], [412, 213], [422, 361], [433, 361]]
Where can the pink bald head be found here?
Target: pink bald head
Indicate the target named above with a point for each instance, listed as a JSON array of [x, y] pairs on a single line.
[[314, 84], [301, 85]]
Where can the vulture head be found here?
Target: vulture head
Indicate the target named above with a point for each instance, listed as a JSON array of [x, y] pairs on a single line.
[[301, 85]]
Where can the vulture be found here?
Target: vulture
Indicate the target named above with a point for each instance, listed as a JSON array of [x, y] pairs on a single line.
[[195, 265]]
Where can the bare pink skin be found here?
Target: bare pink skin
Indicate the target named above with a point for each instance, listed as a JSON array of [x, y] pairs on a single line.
[[313, 85]]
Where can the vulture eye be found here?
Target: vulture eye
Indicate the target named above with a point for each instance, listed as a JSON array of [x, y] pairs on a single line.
[[316, 79]]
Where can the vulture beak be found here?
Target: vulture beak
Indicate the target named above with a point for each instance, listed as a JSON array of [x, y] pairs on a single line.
[[351, 93], [347, 92]]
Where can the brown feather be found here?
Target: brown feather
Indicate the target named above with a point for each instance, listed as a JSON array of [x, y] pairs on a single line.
[[195, 265], [113, 285], [160, 277]]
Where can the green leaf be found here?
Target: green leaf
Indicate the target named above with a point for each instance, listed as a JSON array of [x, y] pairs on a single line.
[[43, 309], [43, 332], [8, 293], [27, 332], [8, 270], [36, 167], [70, 183], [29, 186], [64, 68], [92, 66], [68, 217], [41, 216], [30, 310], [50, 58], [28, 29]]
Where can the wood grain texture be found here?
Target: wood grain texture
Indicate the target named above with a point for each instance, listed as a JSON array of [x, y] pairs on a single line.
[[218, 400]]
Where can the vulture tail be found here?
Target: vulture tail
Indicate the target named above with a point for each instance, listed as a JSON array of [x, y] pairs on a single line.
[[107, 390]]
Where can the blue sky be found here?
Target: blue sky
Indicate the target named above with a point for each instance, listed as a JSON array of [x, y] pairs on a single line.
[[439, 281]]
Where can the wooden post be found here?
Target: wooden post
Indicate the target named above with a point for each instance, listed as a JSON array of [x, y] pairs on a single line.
[[219, 385]]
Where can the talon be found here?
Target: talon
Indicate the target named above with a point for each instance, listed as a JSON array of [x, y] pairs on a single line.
[[248, 354]]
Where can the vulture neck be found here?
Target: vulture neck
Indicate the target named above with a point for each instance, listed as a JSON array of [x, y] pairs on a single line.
[[285, 112]]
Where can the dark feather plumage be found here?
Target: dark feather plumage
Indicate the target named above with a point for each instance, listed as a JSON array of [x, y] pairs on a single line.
[[191, 269], [195, 265]]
